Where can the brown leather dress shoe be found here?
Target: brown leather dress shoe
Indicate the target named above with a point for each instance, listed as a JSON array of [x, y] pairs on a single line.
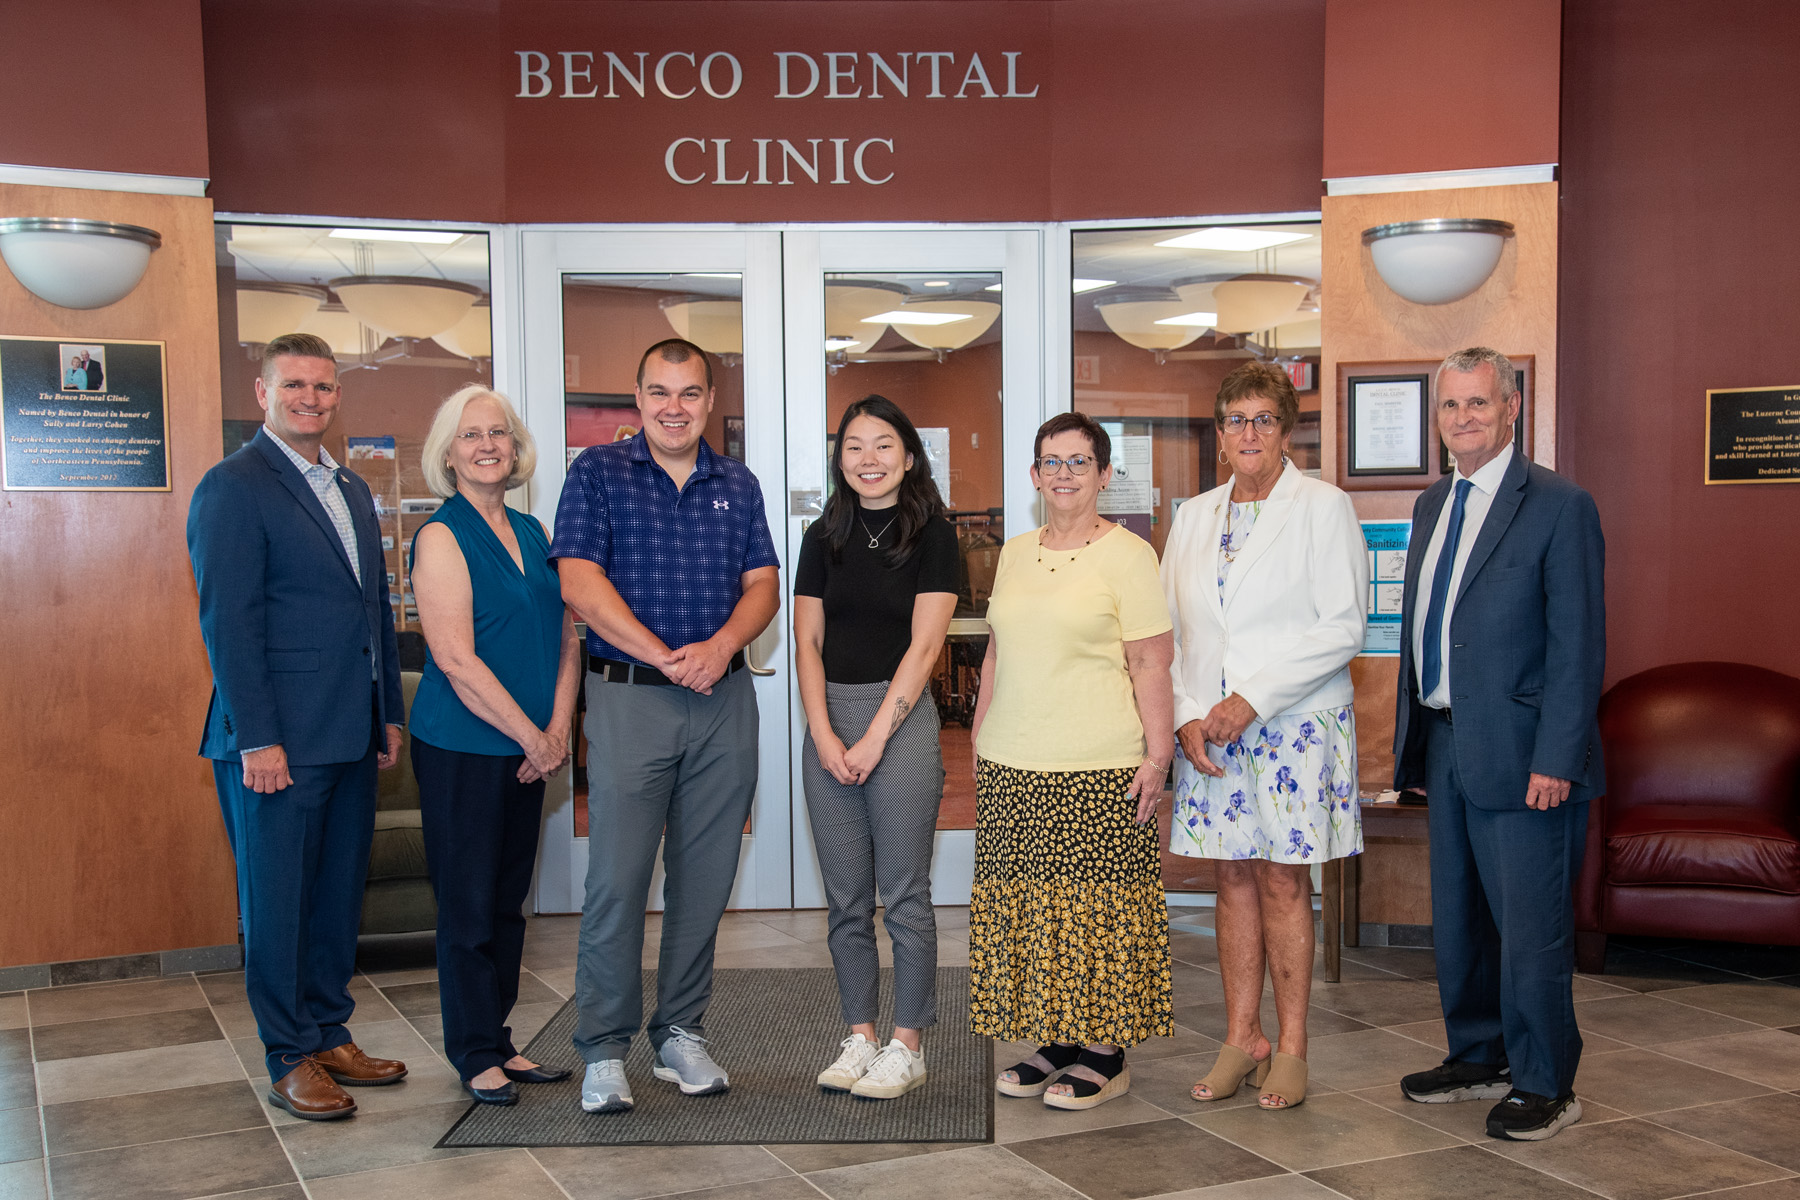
[[352, 1068], [308, 1093]]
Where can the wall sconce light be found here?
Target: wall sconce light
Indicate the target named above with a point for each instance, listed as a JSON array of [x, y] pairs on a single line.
[[1439, 260], [76, 263], [406, 306]]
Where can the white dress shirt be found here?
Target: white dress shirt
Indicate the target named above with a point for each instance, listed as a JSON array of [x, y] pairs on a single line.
[[1484, 483]]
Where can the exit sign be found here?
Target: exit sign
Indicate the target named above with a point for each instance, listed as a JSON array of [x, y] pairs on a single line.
[[1301, 375]]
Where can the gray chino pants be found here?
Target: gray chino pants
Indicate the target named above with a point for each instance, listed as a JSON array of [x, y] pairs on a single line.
[[670, 764]]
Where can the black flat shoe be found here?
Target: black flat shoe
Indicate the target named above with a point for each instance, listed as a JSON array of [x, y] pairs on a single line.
[[504, 1096], [537, 1074]]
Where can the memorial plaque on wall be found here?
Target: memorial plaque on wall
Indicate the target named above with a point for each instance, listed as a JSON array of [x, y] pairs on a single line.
[[1753, 435], [83, 415]]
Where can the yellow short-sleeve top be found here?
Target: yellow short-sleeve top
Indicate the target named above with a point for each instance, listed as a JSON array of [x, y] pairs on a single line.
[[1062, 695]]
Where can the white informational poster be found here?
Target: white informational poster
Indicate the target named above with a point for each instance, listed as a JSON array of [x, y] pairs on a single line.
[[1387, 426], [1129, 491], [937, 452]]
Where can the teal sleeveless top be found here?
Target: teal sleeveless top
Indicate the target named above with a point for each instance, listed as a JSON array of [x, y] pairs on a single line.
[[518, 632]]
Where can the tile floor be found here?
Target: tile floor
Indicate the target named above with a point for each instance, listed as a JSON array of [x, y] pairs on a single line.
[[1691, 1085]]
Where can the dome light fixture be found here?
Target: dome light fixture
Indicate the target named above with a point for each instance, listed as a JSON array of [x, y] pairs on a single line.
[[406, 306], [942, 324], [76, 263], [267, 310], [1437, 260], [1136, 314], [473, 336], [713, 323], [849, 303]]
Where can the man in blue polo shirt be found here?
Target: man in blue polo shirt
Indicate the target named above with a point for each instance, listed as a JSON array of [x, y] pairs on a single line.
[[664, 550]]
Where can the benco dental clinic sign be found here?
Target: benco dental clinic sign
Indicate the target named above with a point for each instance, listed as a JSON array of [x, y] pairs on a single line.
[[890, 78]]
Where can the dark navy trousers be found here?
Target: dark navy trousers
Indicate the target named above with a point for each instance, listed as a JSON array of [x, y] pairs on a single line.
[[302, 858], [481, 838], [1503, 925]]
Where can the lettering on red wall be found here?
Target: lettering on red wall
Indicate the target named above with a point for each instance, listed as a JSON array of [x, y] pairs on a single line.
[[719, 75]]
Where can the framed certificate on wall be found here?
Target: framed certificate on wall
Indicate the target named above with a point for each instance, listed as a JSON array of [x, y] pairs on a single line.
[[1385, 427]]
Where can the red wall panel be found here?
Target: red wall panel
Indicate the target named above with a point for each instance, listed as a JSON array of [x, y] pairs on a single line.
[[1440, 85], [1678, 262], [103, 85]]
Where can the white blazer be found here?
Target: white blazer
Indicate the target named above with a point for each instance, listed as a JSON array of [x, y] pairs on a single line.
[[1293, 612]]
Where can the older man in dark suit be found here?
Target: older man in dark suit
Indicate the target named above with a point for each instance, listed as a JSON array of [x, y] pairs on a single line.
[[1502, 650], [306, 707]]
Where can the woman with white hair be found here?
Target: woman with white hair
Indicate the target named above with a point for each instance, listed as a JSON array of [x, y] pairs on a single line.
[[489, 723]]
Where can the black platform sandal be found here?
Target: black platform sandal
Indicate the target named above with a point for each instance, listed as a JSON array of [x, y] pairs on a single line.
[[1087, 1092], [1032, 1081]]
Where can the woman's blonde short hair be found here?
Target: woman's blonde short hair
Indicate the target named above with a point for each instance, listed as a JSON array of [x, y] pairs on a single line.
[[438, 475]]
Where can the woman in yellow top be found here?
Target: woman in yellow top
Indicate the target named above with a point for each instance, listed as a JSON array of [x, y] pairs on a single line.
[[1074, 731]]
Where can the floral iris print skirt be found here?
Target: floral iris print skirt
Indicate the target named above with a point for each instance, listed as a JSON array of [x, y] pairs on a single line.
[[1289, 794], [1068, 932]]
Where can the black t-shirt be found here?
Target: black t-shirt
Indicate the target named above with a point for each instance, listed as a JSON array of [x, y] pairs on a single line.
[[868, 605]]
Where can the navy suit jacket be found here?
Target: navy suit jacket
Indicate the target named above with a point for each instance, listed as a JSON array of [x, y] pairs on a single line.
[[1527, 641], [289, 633]]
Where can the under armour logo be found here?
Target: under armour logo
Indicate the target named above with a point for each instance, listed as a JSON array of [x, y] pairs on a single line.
[[721, 504]]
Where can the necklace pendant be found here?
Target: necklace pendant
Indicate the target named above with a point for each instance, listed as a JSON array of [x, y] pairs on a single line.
[[874, 543]]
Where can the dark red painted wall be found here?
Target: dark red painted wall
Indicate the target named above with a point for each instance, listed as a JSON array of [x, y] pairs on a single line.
[[1680, 131], [1143, 107], [103, 85]]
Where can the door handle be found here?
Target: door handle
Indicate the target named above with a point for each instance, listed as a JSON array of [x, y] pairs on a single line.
[[756, 670]]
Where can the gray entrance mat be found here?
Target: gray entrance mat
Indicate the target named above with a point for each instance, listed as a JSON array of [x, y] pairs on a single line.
[[773, 1030]]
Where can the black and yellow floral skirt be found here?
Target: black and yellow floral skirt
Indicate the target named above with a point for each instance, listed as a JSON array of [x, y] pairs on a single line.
[[1068, 932]]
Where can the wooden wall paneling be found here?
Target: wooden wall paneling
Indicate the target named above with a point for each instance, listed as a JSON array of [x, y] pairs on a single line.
[[112, 832]]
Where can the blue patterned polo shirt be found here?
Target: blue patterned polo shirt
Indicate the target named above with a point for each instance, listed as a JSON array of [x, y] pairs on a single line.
[[675, 555]]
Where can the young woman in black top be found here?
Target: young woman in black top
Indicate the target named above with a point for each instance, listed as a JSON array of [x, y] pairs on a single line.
[[872, 601]]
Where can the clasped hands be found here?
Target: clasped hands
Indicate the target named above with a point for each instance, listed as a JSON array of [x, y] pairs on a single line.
[[1222, 726], [695, 666]]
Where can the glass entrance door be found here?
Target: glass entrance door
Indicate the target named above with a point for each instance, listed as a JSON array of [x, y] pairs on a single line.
[[593, 302], [948, 324]]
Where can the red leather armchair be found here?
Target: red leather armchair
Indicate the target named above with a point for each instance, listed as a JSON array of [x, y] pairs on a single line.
[[1698, 835]]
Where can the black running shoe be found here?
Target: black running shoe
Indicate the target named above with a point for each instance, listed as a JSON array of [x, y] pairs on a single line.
[[1458, 1081], [1529, 1117]]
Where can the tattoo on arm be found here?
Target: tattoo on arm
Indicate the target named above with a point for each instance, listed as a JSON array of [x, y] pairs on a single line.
[[901, 708]]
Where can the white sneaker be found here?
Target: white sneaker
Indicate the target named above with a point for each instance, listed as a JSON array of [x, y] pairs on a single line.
[[895, 1072], [850, 1066], [603, 1087]]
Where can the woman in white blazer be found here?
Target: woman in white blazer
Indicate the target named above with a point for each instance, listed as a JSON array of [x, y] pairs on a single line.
[[1266, 579]]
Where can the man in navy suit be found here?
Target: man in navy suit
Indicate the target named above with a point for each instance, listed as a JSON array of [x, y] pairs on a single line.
[[306, 706], [1502, 649]]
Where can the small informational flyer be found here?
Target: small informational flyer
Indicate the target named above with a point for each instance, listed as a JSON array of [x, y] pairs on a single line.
[[1129, 491], [937, 452], [83, 415], [371, 447], [1387, 584]]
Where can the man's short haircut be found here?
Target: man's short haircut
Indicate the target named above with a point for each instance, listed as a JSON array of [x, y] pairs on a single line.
[[676, 350], [1464, 361], [439, 476], [302, 345], [1075, 422], [1261, 381]]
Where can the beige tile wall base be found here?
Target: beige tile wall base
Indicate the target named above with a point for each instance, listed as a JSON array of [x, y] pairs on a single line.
[[186, 961]]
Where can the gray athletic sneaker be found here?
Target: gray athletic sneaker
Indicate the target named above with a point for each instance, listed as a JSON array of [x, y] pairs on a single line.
[[604, 1087], [683, 1061]]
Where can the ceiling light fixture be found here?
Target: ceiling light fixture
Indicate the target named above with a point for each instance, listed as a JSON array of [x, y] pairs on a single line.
[[1135, 314], [903, 317], [75, 263], [473, 336], [266, 310], [405, 305], [1438, 260], [849, 306], [713, 323], [944, 324], [1250, 302], [1233, 238], [347, 336], [1203, 320], [424, 237]]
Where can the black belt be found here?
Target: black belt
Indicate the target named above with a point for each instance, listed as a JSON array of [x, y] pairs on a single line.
[[614, 671]]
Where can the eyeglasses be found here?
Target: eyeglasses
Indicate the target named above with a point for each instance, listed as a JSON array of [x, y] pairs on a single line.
[[1264, 422], [475, 435], [1078, 464]]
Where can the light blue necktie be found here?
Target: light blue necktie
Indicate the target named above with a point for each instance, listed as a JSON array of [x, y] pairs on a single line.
[[1433, 667]]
